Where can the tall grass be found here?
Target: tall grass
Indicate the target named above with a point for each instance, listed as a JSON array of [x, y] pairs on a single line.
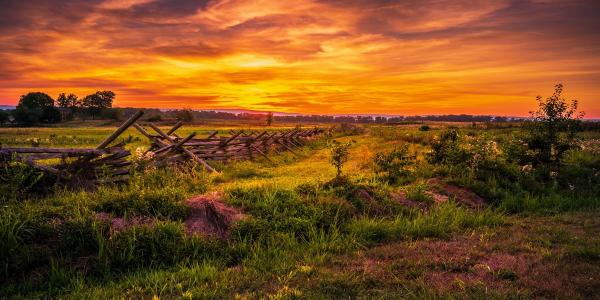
[[440, 221]]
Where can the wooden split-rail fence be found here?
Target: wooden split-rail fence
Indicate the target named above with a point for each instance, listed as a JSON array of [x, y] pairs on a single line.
[[170, 148], [106, 163]]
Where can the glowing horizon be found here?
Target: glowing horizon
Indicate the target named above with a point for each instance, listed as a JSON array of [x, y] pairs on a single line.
[[306, 56]]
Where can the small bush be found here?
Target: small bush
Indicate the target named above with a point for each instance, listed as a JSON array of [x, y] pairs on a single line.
[[447, 150], [424, 128]]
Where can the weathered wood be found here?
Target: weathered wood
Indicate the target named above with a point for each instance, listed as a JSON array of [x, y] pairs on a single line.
[[142, 130], [172, 130], [179, 144], [120, 130], [188, 152], [210, 136]]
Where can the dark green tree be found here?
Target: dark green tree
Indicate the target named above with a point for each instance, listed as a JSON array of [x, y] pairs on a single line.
[[97, 102], [36, 107]]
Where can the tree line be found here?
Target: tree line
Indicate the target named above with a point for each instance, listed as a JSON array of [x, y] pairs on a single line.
[[38, 107]]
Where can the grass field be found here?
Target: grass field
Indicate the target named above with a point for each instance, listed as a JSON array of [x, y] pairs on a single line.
[[487, 229]]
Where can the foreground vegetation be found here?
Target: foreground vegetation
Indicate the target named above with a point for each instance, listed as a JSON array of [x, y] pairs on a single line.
[[383, 212]]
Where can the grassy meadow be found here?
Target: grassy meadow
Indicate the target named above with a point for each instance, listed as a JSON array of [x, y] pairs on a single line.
[[400, 223]]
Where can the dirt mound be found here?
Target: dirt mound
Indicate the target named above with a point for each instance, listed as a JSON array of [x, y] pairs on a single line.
[[460, 194], [401, 198], [368, 202], [209, 216]]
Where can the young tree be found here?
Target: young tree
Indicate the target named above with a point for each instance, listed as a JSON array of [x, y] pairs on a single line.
[[269, 118], [35, 108], [98, 101], [553, 129], [339, 155]]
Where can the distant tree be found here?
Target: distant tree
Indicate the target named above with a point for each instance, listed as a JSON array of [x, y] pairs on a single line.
[[67, 101], [68, 104], [112, 114], [98, 101], [35, 108], [185, 115], [269, 118]]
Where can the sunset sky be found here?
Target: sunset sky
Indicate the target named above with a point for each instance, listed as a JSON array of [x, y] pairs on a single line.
[[306, 56]]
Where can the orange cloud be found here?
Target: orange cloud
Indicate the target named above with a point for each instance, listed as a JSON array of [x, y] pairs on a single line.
[[308, 56]]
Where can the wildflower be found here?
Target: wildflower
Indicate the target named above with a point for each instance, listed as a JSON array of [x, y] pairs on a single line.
[[149, 155]]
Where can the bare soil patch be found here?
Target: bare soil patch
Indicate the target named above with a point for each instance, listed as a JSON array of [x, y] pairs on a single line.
[[459, 194], [208, 215]]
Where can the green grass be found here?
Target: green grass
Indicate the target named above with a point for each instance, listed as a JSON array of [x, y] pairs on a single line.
[[62, 245]]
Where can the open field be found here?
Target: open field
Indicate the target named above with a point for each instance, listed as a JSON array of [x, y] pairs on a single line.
[[485, 229]]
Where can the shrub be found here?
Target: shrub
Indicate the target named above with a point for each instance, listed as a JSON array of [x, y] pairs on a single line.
[[424, 128], [447, 150], [396, 165], [580, 173]]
